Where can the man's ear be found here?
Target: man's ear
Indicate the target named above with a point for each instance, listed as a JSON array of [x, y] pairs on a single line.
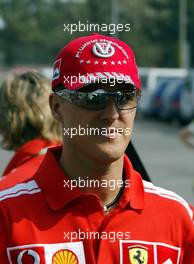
[[55, 106]]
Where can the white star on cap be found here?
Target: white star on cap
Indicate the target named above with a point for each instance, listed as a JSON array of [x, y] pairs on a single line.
[[88, 61], [112, 62], [124, 62], [119, 62], [81, 61], [96, 62], [104, 62]]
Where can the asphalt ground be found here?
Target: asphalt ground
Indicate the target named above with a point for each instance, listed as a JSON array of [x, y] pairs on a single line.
[[169, 163]]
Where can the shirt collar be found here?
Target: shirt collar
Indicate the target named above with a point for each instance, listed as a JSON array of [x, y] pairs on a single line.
[[33, 146], [53, 183], [134, 193]]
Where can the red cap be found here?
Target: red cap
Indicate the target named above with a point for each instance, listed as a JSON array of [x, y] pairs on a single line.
[[92, 58]]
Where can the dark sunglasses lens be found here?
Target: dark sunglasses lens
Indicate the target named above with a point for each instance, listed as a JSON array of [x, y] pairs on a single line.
[[126, 100], [98, 100], [92, 101]]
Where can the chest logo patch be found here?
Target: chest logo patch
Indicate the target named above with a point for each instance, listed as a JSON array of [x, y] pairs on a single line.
[[144, 252], [65, 256], [138, 255], [31, 254], [59, 253]]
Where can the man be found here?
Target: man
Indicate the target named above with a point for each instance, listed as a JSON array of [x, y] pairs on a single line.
[[187, 135], [86, 203]]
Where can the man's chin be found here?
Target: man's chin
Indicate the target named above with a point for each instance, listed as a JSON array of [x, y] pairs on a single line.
[[105, 155], [103, 152]]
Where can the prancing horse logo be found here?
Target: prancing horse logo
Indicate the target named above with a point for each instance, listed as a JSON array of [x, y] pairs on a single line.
[[138, 255]]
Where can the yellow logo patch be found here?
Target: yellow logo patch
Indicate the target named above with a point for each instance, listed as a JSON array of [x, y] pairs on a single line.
[[138, 255], [65, 257]]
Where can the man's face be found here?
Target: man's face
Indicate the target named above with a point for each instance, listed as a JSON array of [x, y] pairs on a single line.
[[101, 135]]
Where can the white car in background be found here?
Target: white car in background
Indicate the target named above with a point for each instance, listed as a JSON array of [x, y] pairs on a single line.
[[151, 77]]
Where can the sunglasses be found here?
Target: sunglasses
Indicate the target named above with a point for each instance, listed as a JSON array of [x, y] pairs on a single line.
[[98, 99]]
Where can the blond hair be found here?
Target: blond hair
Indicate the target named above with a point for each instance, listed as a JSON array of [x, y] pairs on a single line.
[[24, 110]]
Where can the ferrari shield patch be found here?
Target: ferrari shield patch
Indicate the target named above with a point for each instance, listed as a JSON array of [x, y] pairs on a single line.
[[138, 255], [146, 252]]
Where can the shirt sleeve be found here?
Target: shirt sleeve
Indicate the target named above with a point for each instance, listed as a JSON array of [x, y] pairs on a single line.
[[3, 236], [188, 245], [189, 250]]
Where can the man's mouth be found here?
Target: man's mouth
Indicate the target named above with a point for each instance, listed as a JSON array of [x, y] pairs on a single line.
[[110, 132]]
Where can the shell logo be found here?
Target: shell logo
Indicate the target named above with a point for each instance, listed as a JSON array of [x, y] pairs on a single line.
[[65, 257]]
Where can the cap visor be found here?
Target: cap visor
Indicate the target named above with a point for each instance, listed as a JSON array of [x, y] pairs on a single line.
[[98, 77]]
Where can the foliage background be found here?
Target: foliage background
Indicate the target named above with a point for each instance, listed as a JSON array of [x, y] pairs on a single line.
[[32, 32]]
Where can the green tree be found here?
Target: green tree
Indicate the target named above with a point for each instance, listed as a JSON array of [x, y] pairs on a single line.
[[34, 31]]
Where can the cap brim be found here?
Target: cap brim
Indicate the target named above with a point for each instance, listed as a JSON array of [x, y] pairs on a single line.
[[105, 77]]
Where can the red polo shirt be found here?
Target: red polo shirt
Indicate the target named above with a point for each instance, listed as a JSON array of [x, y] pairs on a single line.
[[44, 221], [27, 152]]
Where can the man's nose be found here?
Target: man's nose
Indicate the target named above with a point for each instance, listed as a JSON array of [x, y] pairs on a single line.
[[110, 112]]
